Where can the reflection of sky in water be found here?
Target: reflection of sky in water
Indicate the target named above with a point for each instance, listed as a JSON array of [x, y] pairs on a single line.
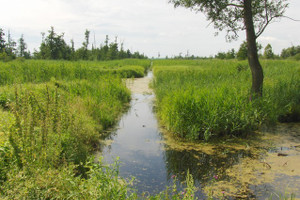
[[136, 142]]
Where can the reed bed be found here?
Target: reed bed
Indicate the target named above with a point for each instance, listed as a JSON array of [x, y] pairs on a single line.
[[39, 71], [208, 99], [52, 114]]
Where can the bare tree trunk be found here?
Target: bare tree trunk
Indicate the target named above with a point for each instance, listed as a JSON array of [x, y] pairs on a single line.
[[256, 69]]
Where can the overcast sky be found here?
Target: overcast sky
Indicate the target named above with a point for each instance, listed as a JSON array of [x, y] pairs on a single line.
[[147, 26]]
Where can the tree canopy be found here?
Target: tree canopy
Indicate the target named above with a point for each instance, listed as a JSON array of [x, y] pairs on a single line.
[[228, 15], [268, 53], [233, 16]]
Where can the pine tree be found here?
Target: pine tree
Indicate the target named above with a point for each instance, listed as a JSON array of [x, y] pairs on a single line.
[[2, 41], [22, 47]]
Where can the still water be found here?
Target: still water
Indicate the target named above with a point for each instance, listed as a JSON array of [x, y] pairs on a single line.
[[137, 144], [251, 169]]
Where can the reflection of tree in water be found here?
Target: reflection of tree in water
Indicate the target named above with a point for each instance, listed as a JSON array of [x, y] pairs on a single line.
[[202, 166]]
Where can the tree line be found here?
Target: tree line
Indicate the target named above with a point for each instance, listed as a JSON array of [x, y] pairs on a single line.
[[54, 47], [9, 49], [241, 54]]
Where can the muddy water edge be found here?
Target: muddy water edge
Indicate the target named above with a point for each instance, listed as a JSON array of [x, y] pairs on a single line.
[[266, 164]]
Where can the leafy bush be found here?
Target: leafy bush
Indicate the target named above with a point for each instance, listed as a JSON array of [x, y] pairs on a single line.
[[62, 183]]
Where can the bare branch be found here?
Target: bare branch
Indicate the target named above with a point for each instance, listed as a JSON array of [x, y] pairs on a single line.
[[268, 21], [296, 20]]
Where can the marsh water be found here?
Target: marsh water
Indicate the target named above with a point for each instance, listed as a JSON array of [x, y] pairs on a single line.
[[256, 168]]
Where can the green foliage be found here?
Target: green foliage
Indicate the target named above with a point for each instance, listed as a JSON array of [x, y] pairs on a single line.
[[226, 55], [38, 71], [296, 57], [2, 41], [54, 47], [209, 99], [46, 131], [229, 15], [62, 183], [173, 193], [290, 52], [53, 119], [22, 46], [10, 47], [4, 101], [242, 52], [268, 53]]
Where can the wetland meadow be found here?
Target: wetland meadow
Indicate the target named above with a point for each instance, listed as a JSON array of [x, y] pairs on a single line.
[[148, 129]]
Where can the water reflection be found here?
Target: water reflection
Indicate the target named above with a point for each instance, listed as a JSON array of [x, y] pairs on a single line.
[[204, 167], [152, 160], [137, 142]]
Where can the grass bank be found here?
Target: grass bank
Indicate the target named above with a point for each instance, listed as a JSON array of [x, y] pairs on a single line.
[[51, 116], [39, 71], [206, 99]]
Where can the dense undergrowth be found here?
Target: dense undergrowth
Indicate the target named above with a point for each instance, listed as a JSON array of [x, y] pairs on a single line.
[[36, 71], [51, 116], [206, 99]]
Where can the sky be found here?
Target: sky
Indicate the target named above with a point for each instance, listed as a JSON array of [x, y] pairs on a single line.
[[149, 26]]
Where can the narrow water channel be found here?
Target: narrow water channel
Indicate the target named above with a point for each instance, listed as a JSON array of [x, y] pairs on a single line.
[[253, 169], [136, 142]]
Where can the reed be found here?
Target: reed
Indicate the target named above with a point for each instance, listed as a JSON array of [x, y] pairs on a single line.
[[210, 99], [39, 71], [52, 115]]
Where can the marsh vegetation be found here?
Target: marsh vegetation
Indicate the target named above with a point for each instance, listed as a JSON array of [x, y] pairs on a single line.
[[55, 113]]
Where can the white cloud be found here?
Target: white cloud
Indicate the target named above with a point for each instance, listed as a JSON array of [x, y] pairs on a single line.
[[149, 26]]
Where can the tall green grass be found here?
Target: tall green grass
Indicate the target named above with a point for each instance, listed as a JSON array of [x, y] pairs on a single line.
[[39, 71], [52, 114], [206, 99]]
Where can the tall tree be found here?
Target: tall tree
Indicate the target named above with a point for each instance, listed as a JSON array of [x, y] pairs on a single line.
[[54, 47], [72, 50], [113, 50], [2, 40], [22, 47], [86, 44], [253, 16], [106, 48], [10, 47], [268, 53], [242, 52]]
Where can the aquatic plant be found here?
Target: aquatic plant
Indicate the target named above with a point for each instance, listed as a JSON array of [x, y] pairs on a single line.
[[208, 99], [188, 193]]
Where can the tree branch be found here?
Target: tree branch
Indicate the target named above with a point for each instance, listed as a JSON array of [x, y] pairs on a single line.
[[235, 5], [268, 22], [265, 26], [296, 20]]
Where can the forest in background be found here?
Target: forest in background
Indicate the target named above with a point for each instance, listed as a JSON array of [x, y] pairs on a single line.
[[54, 47]]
